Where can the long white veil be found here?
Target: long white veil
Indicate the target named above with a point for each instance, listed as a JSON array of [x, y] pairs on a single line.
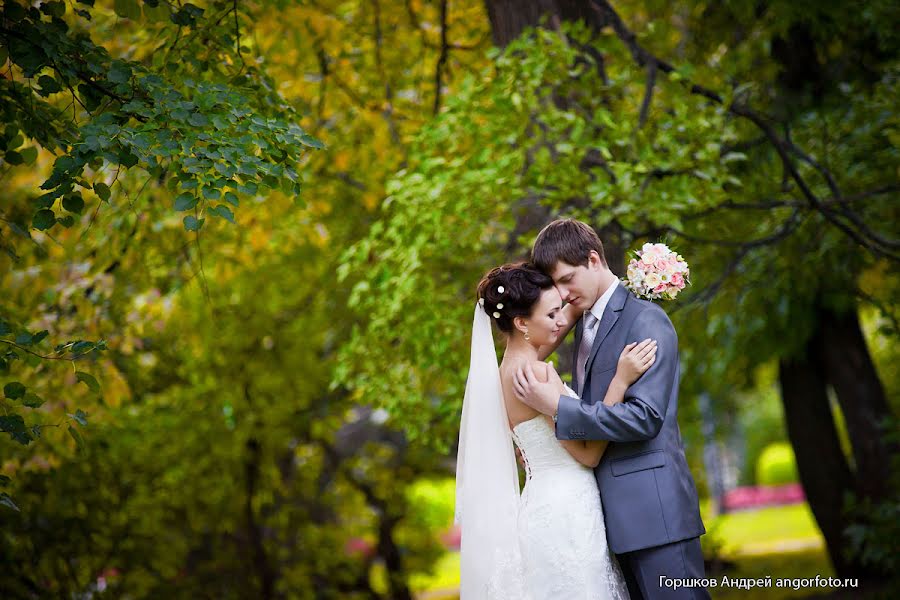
[[487, 480]]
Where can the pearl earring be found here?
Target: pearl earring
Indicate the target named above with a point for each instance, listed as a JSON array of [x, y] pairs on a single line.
[[527, 338]]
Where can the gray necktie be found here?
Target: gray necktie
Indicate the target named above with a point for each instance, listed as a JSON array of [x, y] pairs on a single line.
[[584, 349]]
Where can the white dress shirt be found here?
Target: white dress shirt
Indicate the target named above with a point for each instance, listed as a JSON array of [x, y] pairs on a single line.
[[600, 305]]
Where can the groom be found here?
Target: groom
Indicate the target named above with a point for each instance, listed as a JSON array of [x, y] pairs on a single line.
[[649, 498]]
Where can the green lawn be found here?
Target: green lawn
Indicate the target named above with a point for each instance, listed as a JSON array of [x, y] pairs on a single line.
[[441, 585], [762, 531], [793, 564]]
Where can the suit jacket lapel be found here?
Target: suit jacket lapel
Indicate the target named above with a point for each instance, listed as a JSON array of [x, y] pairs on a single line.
[[579, 328], [610, 316]]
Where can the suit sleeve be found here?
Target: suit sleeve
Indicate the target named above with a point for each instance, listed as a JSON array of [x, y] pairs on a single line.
[[640, 417]]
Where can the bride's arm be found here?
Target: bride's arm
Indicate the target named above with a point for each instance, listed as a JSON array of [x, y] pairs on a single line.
[[586, 452], [572, 315], [589, 452], [635, 359]]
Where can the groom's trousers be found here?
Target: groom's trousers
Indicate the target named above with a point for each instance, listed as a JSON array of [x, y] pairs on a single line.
[[651, 573]]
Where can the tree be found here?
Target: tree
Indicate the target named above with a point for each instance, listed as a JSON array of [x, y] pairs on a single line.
[[225, 464], [215, 418], [598, 127], [195, 119]]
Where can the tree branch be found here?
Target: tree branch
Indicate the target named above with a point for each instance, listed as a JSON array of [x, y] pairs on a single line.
[[861, 234], [237, 36], [786, 229], [23, 349], [711, 290], [648, 94], [388, 110], [442, 59]]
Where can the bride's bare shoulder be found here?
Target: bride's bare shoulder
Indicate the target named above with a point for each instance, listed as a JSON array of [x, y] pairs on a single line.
[[517, 412], [540, 370], [509, 369]]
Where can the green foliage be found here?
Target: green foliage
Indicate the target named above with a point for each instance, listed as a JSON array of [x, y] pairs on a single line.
[[776, 465], [14, 390], [230, 412], [502, 138], [760, 419], [432, 503], [234, 437], [179, 106], [547, 132], [874, 536], [208, 136], [151, 118]]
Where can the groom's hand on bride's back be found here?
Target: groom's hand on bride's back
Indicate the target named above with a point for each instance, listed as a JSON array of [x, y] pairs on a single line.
[[522, 382]]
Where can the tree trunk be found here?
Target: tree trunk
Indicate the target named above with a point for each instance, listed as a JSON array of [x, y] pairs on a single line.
[[823, 470], [393, 559], [509, 18], [260, 561], [850, 371]]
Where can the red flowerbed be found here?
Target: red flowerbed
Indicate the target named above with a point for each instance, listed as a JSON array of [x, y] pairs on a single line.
[[755, 496], [750, 496]]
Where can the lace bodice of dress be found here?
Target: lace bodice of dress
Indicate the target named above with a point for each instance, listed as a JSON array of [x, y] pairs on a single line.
[[541, 451]]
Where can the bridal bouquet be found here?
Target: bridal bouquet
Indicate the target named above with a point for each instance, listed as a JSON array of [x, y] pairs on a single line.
[[656, 272]]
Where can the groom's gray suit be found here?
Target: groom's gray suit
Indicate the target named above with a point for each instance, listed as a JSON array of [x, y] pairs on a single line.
[[649, 498]]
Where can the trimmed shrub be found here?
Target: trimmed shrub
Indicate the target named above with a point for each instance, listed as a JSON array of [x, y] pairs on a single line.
[[776, 465]]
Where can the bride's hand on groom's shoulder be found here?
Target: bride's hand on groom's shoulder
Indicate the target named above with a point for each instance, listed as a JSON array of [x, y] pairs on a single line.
[[634, 361]]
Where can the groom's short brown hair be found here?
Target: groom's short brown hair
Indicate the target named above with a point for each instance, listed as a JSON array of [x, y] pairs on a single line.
[[565, 240]]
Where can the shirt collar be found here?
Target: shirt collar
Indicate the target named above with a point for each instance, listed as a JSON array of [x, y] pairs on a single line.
[[600, 305]]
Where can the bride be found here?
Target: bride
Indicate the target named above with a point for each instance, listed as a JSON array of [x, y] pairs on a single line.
[[550, 541]]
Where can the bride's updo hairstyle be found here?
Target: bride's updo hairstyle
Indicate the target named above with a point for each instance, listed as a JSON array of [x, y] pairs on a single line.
[[511, 291]]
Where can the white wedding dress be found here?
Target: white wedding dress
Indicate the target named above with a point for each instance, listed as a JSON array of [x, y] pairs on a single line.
[[562, 536], [547, 542]]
